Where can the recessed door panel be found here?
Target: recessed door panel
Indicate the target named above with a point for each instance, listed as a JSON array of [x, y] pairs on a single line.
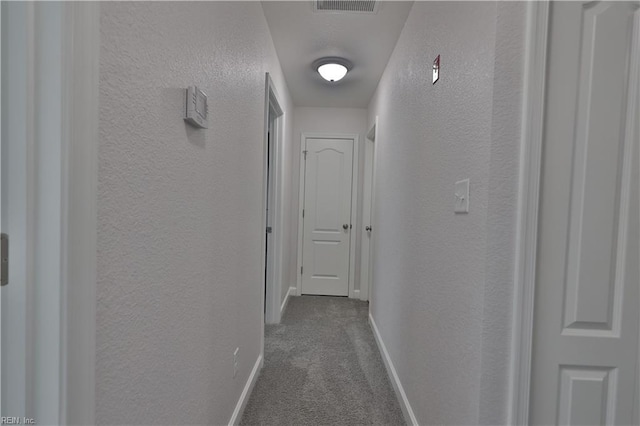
[[587, 396], [324, 259], [329, 175], [595, 268]]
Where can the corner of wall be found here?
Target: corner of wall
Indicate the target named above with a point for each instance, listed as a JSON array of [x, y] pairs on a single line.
[[508, 86]]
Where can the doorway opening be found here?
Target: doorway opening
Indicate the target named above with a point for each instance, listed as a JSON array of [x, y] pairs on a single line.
[[368, 188], [272, 204]]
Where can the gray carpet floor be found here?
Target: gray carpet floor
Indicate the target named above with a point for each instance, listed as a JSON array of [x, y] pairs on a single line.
[[322, 367]]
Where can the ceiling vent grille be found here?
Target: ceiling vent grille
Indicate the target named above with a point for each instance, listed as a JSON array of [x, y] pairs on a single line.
[[361, 6]]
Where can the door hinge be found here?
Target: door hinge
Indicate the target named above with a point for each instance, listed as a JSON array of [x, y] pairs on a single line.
[[302, 213], [4, 259], [301, 269], [305, 154]]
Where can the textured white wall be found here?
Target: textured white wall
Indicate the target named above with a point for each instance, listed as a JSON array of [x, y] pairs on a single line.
[[324, 120], [180, 209], [501, 214], [433, 269]]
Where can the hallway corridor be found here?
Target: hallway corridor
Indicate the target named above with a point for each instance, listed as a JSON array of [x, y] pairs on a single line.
[[322, 367]]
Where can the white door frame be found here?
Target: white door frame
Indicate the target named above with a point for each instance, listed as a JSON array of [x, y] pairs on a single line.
[[527, 216], [274, 284], [354, 205], [374, 232], [80, 97], [60, 109], [365, 262]]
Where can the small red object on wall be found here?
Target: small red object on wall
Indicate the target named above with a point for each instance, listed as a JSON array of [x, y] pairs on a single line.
[[436, 69]]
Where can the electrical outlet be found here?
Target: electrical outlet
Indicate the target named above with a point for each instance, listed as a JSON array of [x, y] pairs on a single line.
[[235, 362]]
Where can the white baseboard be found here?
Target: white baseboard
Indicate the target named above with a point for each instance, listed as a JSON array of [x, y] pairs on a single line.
[[409, 417], [246, 392], [292, 292]]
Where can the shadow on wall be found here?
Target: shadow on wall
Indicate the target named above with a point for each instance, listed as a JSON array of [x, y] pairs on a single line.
[[195, 136]]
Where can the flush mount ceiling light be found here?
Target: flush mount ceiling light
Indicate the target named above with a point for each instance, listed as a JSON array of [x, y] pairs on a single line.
[[332, 69]]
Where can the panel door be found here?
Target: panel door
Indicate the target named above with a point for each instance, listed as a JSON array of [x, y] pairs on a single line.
[[585, 349], [327, 216]]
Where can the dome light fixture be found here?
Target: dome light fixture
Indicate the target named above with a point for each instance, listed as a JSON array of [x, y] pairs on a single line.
[[332, 69]]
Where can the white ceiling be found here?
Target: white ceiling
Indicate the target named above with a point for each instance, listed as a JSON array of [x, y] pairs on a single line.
[[302, 35]]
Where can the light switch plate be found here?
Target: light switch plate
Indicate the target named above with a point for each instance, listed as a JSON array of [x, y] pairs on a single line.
[[462, 196]]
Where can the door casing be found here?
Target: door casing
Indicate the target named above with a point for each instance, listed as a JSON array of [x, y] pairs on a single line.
[[527, 215], [274, 284], [366, 255], [60, 110], [353, 293]]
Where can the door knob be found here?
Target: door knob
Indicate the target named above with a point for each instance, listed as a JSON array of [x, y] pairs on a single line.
[[345, 226], [367, 228]]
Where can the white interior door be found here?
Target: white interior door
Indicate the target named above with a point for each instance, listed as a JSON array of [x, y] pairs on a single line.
[[585, 348], [327, 216], [365, 247], [268, 266]]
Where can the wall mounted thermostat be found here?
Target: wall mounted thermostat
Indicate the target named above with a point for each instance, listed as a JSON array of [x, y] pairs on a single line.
[[196, 110]]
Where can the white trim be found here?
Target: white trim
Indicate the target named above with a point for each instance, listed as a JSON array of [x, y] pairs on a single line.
[[365, 258], [80, 100], [632, 111], [355, 224], [409, 416], [290, 292], [301, 184], [354, 205], [373, 136], [293, 291], [528, 200], [246, 392], [365, 237], [48, 178], [1, 197], [636, 414], [356, 294], [274, 290]]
